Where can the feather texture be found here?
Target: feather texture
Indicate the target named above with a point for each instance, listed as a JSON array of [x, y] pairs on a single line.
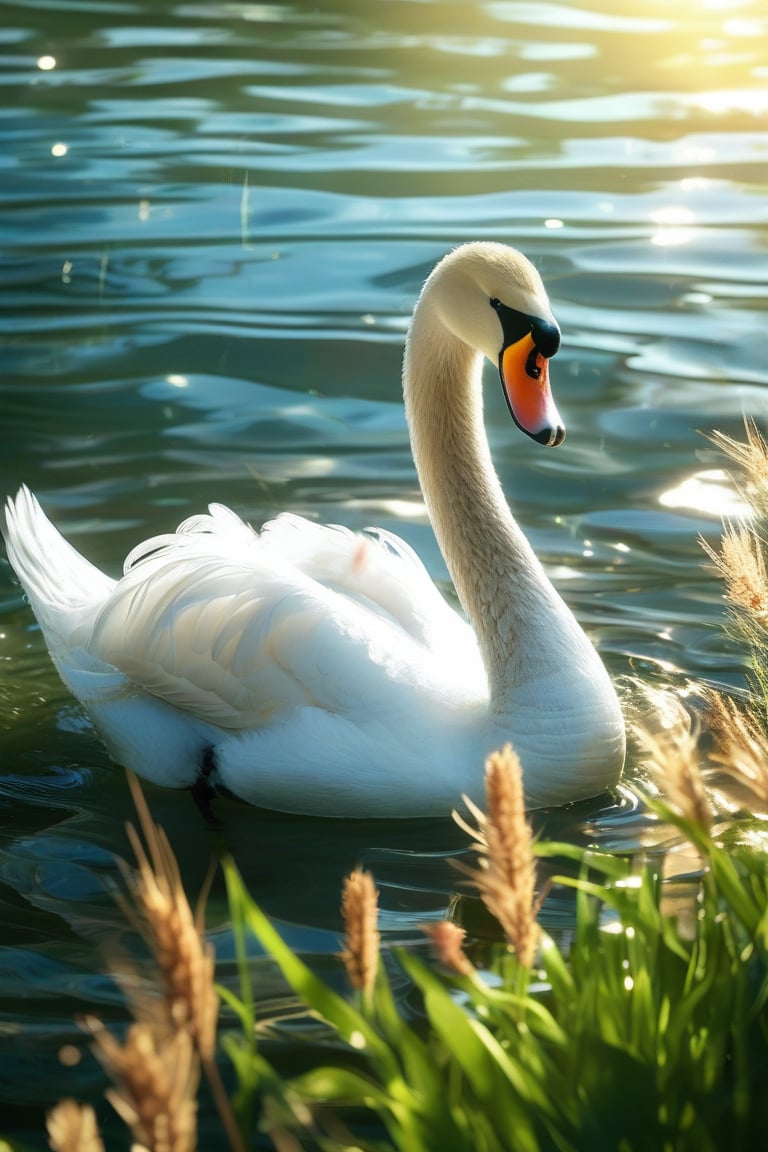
[[321, 671]]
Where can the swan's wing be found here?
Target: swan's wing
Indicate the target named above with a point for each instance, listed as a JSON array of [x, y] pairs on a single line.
[[376, 568], [220, 622]]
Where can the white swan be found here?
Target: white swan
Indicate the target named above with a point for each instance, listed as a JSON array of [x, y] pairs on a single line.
[[312, 670]]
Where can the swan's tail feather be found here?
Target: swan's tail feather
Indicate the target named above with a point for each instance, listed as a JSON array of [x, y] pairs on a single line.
[[66, 593], [64, 589]]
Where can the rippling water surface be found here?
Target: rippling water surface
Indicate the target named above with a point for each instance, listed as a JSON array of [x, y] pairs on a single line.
[[214, 221]]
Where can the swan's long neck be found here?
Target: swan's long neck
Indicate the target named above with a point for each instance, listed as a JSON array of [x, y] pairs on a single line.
[[516, 613]]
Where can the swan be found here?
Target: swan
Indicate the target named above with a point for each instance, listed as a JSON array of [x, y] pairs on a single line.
[[309, 669]]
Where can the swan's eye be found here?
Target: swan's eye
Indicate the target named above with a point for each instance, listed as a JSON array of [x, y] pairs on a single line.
[[514, 324]]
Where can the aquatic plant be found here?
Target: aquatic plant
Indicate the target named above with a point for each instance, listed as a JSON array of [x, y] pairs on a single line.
[[73, 1127], [154, 1076], [652, 1033], [155, 1070], [742, 559], [505, 874]]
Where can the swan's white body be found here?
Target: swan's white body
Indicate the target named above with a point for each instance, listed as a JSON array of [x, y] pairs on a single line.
[[313, 670]]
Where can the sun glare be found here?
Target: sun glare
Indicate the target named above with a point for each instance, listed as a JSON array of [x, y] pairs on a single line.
[[753, 101], [709, 492], [674, 226]]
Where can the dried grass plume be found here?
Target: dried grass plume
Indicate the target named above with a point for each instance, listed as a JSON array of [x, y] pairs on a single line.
[[72, 1127], [154, 1084], [159, 908], [751, 457], [741, 564], [740, 745], [505, 874], [447, 941], [670, 747], [359, 906]]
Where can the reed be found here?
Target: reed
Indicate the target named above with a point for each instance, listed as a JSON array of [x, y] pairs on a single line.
[[155, 1075], [155, 1071], [742, 559], [157, 905], [72, 1127], [647, 1026], [360, 902], [447, 941], [670, 750], [740, 748], [750, 456], [505, 874], [741, 564]]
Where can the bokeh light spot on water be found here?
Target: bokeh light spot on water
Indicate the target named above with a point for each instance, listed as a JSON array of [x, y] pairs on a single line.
[[674, 226], [709, 492]]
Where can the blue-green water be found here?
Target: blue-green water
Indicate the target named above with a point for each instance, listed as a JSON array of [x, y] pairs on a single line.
[[214, 220]]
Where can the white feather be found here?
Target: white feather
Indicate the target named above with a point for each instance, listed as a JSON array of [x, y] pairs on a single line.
[[319, 670]]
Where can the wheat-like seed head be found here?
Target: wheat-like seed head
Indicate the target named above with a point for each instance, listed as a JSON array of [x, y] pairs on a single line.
[[447, 939], [158, 906], [741, 564], [154, 1078], [360, 911], [156, 1071], [751, 456], [505, 874], [741, 745], [72, 1127], [671, 755]]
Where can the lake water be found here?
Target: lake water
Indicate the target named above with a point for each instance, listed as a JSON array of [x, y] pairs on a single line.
[[214, 221]]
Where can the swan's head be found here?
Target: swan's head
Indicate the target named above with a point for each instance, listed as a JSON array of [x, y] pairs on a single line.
[[493, 299]]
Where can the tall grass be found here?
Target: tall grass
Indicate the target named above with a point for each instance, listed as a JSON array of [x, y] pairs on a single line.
[[742, 559], [651, 1033]]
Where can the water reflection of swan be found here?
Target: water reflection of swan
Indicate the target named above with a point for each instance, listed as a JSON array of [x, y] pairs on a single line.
[[313, 670]]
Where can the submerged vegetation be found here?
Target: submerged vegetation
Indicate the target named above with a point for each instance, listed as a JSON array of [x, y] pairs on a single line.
[[650, 1031]]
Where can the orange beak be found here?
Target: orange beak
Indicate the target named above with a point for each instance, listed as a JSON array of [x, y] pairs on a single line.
[[525, 380]]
